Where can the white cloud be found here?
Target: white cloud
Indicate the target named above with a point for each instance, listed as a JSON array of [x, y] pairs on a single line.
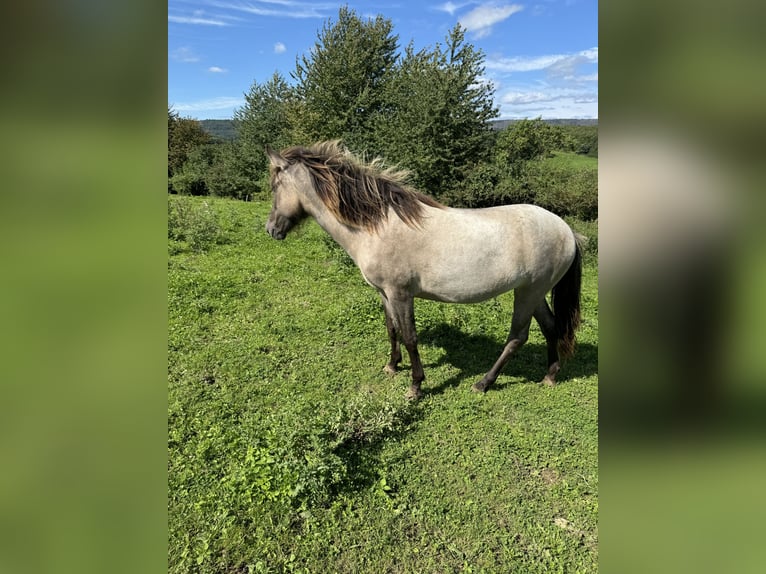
[[286, 8], [279, 48], [566, 67], [450, 7], [480, 20], [520, 64], [184, 54], [220, 103], [554, 85], [558, 64], [516, 98], [217, 70], [591, 54], [523, 97], [196, 20], [547, 102]]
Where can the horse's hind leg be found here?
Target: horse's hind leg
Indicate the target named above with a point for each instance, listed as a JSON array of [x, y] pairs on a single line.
[[544, 317], [524, 304]]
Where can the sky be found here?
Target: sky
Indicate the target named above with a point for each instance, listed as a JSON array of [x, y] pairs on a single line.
[[541, 56]]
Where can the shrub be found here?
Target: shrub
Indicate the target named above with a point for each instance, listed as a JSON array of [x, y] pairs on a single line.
[[188, 184], [479, 188], [561, 189], [222, 170], [197, 225], [529, 139], [565, 191], [583, 139]]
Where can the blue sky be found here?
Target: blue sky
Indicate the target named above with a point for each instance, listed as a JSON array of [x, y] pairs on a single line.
[[541, 56]]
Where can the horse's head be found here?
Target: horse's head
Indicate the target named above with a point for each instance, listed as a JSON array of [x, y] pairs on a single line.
[[287, 209]]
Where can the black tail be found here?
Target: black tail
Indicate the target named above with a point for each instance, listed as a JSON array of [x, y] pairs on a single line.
[[566, 303]]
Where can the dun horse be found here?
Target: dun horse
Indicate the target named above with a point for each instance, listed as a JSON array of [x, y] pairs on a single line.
[[408, 245]]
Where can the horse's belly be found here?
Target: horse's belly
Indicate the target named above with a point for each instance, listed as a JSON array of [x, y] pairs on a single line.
[[466, 289]]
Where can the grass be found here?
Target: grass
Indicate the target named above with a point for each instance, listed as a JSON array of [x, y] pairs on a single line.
[[291, 451], [571, 160]]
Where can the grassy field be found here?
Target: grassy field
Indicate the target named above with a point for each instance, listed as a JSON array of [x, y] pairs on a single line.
[[290, 450], [571, 160]]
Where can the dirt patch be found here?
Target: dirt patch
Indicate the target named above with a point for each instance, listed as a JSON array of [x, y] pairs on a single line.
[[549, 476]]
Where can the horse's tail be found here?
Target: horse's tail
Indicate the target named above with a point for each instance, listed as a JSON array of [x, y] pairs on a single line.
[[566, 302]]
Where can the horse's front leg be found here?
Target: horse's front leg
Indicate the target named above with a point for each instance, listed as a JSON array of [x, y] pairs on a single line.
[[396, 354], [403, 313]]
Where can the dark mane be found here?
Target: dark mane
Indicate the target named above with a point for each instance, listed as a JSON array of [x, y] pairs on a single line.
[[359, 193]]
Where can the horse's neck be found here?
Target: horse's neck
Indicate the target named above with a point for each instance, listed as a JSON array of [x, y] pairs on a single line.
[[346, 237]]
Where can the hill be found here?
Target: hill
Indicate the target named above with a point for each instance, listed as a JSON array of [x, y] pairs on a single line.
[[226, 130], [502, 124]]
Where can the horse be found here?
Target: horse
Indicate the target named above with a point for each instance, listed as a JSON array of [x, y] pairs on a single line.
[[408, 245]]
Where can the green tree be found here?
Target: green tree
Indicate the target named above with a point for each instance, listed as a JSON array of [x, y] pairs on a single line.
[[341, 82], [437, 119], [184, 135], [216, 169], [527, 140], [263, 121], [584, 139]]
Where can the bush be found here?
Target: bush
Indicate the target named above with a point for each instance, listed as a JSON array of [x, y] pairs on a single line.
[[565, 191], [188, 184], [198, 225], [218, 169], [529, 139], [583, 139], [479, 188], [488, 185]]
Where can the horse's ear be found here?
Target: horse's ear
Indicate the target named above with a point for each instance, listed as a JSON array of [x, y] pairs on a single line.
[[276, 159]]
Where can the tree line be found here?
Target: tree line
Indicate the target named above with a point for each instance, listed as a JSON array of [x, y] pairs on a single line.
[[428, 110]]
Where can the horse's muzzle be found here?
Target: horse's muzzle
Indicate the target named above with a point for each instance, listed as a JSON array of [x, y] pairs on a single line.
[[278, 229], [274, 232]]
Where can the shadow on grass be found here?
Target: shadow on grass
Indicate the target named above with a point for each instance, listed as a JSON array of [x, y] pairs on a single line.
[[473, 355]]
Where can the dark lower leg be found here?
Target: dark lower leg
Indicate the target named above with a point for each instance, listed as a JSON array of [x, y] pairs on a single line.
[[404, 311], [396, 353], [524, 305], [550, 377], [545, 319], [417, 370], [493, 373]]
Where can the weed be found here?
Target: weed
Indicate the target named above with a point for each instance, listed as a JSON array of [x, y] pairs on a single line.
[[195, 223]]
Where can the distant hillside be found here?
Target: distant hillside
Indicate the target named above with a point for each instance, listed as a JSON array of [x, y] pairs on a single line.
[[502, 124], [226, 130]]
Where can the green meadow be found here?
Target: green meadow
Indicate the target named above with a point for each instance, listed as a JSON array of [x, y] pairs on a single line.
[[290, 450]]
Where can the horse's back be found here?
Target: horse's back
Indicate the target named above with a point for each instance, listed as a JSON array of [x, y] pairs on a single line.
[[529, 231], [469, 255]]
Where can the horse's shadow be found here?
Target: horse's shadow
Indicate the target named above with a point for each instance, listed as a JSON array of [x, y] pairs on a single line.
[[473, 355]]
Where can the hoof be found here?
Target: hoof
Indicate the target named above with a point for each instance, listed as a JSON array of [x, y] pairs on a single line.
[[480, 387], [548, 382], [390, 369], [413, 394]]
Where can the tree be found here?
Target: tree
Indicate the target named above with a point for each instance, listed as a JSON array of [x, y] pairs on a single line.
[[184, 134], [263, 121], [438, 110], [527, 140], [215, 169], [341, 82]]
